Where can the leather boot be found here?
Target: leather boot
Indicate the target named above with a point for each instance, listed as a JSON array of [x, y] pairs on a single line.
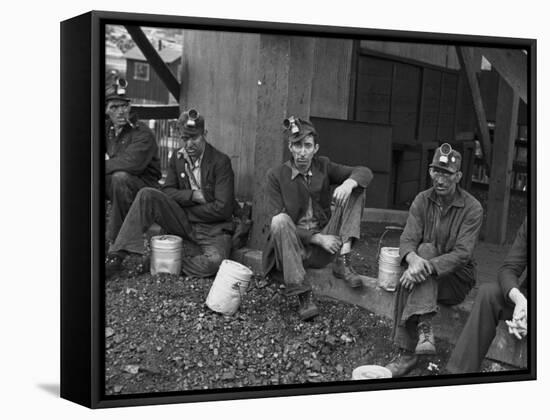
[[308, 309], [426, 340], [113, 265], [342, 269], [402, 365]]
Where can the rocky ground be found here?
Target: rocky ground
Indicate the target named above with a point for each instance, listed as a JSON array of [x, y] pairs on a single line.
[[160, 335]]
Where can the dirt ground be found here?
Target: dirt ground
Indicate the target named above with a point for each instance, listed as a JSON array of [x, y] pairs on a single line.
[[160, 335]]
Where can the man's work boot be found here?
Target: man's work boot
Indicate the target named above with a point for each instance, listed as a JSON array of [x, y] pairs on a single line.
[[113, 265], [402, 365], [342, 269], [308, 309], [426, 340]]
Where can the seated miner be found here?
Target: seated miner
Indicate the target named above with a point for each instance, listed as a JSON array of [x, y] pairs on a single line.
[[437, 244], [131, 158], [500, 300], [303, 232], [195, 203]]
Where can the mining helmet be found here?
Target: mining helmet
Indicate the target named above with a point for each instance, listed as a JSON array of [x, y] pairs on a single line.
[[446, 158], [296, 129], [190, 123], [116, 88]]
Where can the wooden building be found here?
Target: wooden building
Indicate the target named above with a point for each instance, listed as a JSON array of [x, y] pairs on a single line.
[[144, 84], [386, 105]]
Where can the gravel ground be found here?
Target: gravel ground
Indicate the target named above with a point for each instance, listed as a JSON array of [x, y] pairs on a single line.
[[160, 336]]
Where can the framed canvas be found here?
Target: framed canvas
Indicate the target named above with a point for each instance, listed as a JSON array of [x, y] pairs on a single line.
[[401, 115]]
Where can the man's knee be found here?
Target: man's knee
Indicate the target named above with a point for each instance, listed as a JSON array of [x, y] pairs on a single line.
[[427, 251], [120, 179], [147, 194], [281, 221]]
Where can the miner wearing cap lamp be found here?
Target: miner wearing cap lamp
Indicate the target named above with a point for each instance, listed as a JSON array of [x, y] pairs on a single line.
[[437, 246], [196, 203], [304, 232], [131, 158]]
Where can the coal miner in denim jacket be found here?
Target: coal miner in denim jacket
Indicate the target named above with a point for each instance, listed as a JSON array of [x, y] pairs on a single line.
[[436, 248]]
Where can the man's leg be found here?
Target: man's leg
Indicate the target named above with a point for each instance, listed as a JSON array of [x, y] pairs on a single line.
[[346, 223], [121, 189], [150, 206], [213, 249], [289, 254], [480, 329]]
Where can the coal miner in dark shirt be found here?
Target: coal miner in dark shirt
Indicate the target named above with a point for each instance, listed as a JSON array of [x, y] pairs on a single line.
[[437, 246]]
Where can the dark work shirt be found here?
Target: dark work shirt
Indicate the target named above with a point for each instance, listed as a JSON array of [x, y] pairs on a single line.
[[454, 231], [515, 262]]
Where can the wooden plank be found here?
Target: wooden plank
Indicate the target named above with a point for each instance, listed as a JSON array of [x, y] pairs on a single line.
[[156, 112], [470, 67], [330, 92], [220, 79], [503, 155], [272, 101], [155, 60], [511, 65]]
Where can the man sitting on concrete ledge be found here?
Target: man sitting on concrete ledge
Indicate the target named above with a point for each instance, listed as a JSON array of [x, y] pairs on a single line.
[[303, 231], [501, 300], [437, 244]]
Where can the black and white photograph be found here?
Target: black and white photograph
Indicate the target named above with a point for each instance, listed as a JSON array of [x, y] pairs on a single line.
[[271, 210], [286, 210]]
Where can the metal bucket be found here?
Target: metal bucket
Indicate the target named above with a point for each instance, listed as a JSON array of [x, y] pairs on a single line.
[[229, 287], [166, 254], [389, 268], [389, 263]]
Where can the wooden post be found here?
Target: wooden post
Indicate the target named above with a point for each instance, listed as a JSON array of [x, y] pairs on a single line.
[[284, 88], [503, 155], [511, 65], [470, 67]]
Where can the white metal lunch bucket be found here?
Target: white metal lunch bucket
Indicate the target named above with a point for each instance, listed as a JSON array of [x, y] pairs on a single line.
[[166, 254], [229, 287]]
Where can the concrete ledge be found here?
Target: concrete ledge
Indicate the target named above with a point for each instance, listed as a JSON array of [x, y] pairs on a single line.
[[397, 217], [448, 323]]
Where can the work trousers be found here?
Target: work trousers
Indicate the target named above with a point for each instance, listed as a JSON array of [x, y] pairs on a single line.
[[292, 257], [489, 308], [205, 245], [423, 299], [121, 189]]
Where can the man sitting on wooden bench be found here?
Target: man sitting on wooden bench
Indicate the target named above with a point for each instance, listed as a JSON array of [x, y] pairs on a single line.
[[501, 300], [437, 244]]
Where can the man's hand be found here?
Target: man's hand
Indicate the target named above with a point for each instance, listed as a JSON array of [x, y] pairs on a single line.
[[419, 268], [329, 243], [198, 197], [518, 325], [341, 194], [106, 156], [407, 281]]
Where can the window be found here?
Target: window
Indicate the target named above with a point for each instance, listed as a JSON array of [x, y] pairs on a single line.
[[141, 71]]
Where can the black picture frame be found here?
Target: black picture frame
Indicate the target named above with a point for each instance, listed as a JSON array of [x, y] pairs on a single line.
[[82, 207]]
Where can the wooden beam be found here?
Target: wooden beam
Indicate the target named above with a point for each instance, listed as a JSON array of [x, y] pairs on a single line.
[[153, 58], [511, 65], [284, 88], [156, 112], [469, 68], [500, 180]]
